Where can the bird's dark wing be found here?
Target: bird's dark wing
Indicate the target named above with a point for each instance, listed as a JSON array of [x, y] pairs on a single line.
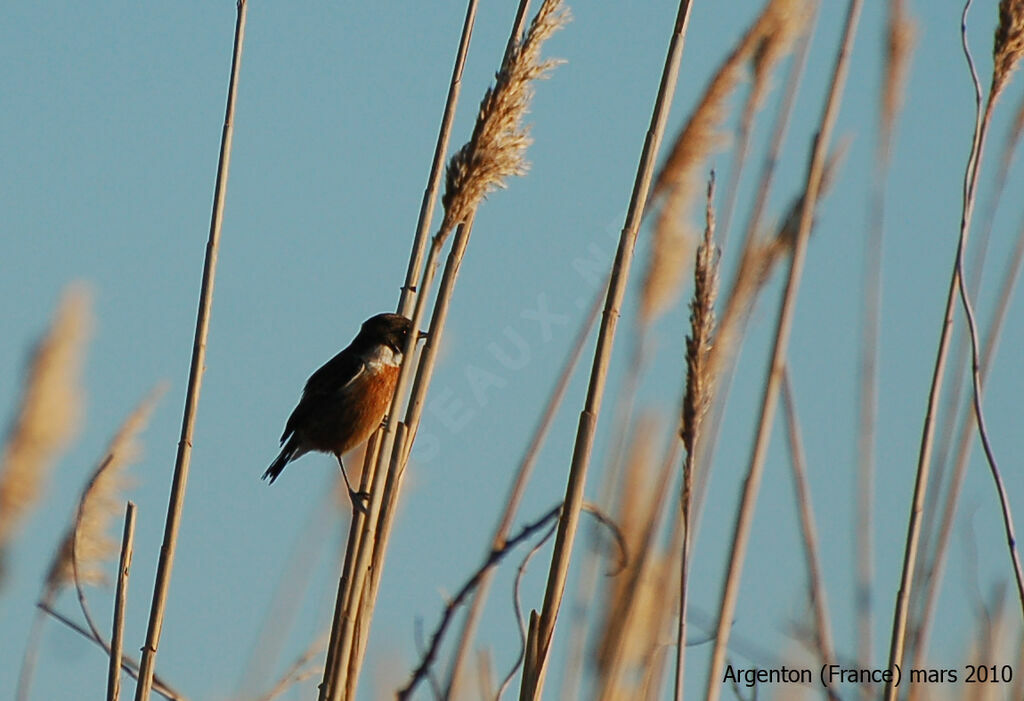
[[332, 377], [335, 374]]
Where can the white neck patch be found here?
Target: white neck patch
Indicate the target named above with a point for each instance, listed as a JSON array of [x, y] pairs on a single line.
[[384, 356]]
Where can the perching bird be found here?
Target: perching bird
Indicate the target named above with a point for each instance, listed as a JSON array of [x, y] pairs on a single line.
[[346, 399]]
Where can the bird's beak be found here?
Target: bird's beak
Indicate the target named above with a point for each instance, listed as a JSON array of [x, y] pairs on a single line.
[[420, 335]]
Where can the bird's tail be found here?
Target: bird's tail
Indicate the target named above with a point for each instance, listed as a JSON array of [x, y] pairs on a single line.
[[288, 452]]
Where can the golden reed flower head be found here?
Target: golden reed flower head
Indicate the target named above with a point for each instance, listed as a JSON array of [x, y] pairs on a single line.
[[88, 539], [1008, 46], [679, 181], [49, 414], [900, 37], [497, 148], [637, 492], [757, 263], [699, 380]]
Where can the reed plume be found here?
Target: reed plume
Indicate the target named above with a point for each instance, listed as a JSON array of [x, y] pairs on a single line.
[[637, 490], [1008, 46], [88, 543], [497, 148], [679, 181], [49, 414], [699, 381], [900, 37]]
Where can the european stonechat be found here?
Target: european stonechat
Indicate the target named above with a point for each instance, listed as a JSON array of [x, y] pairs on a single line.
[[346, 399]]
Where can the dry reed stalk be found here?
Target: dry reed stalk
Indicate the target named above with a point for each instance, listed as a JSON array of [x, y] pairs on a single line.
[[426, 214], [974, 279], [48, 415], [610, 493], [332, 673], [899, 41], [934, 576], [751, 485], [516, 491], [366, 580], [1006, 53], [494, 152], [407, 301], [629, 678], [120, 600], [696, 401], [679, 181], [541, 633], [816, 592], [182, 461], [780, 128]]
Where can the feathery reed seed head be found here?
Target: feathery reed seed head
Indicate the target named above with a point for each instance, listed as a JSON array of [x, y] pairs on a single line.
[[88, 539], [679, 181], [1008, 46], [1017, 126], [900, 36], [758, 262], [699, 379], [497, 147], [49, 414], [791, 222], [637, 492], [784, 22]]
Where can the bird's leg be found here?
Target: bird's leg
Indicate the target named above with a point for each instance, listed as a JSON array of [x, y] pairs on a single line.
[[358, 498]]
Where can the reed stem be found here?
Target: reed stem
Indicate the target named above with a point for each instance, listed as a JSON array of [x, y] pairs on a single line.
[[540, 640], [181, 466]]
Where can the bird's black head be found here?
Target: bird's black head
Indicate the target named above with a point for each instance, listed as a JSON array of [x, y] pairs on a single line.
[[392, 330]]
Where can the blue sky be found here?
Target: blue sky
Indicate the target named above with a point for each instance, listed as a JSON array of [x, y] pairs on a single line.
[[109, 133]]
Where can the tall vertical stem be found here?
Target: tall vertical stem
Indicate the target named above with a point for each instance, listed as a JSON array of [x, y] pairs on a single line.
[[195, 379], [770, 396], [533, 675]]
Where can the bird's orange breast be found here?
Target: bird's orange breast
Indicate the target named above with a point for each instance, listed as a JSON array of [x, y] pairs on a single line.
[[355, 413]]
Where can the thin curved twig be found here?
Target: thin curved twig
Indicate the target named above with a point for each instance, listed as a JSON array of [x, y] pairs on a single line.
[[493, 559], [1004, 500], [517, 606], [934, 573], [128, 664]]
